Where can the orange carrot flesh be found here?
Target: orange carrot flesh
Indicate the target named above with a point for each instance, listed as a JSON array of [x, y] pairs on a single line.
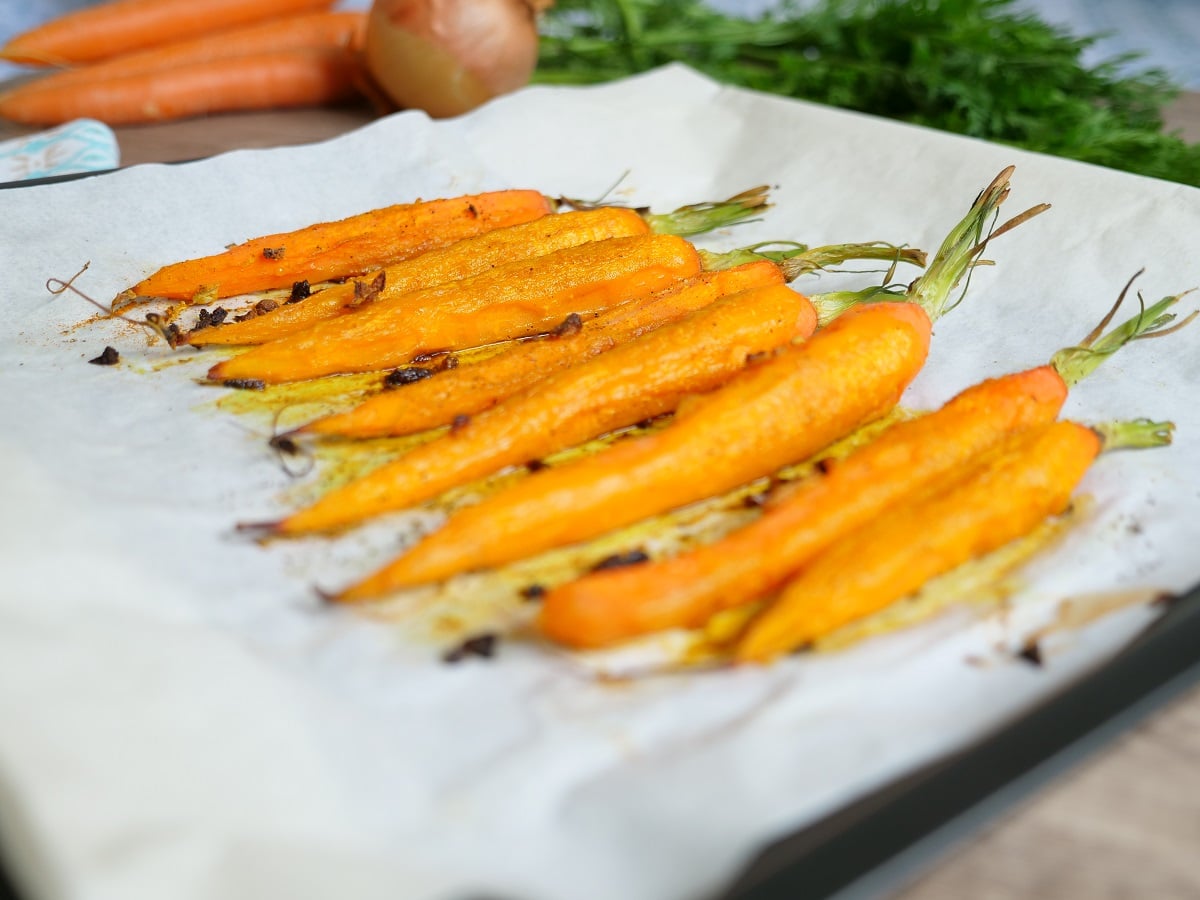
[[642, 378], [851, 372], [343, 248], [998, 500], [513, 300], [470, 389], [293, 32], [122, 26], [271, 80], [462, 259], [606, 607]]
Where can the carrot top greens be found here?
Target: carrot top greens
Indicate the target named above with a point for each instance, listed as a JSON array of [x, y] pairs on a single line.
[[983, 68]]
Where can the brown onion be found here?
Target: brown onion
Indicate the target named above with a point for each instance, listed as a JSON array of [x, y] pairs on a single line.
[[449, 56]]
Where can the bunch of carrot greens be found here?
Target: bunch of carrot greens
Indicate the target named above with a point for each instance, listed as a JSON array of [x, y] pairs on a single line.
[[982, 68], [137, 61], [501, 332]]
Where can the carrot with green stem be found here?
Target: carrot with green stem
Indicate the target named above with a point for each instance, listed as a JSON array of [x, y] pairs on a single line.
[[117, 27], [640, 379], [996, 499], [848, 374], [388, 235], [805, 518]]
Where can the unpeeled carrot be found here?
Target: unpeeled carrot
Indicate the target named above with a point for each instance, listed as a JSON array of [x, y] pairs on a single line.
[[462, 259], [291, 32], [121, 26], [349, 246], [517, 299], [472, 388], [606, 607], [849, 373], [1000, 498], [640, 379], [274, 79]]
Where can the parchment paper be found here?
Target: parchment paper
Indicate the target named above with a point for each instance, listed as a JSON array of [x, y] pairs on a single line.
[[180, 718]]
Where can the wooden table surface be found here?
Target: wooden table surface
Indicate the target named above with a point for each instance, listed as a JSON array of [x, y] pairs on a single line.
[[1125, 823]]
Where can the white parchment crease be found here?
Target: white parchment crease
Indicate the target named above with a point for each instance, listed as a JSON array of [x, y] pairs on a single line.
[[179, 719]]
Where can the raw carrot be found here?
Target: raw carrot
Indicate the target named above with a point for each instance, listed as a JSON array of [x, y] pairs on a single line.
[[291, 32], [462, 259], [121, 26], [640, 379], [850, 373], [997, 499], [274, 79], [513, 300], [470, 389], [846, 375], [605, 607]]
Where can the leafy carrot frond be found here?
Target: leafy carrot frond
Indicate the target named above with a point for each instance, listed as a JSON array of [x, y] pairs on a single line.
[[1076, 363], [695, 218], [1134, 434], [963, 246]]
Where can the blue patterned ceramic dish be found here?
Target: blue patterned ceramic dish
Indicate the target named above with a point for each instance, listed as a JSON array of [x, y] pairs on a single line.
[[83, 145]]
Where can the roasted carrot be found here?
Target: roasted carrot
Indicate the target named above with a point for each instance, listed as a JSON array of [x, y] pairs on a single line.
[[291, 32], [605, 607], [470, 389], [513, 300], [346, 247], [460, 260], [640, 379], [120, 26], [274, 79], [997, 499], [847, 374]]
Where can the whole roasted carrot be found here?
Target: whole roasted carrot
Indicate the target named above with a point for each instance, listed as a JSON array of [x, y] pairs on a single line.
[[997, 499], [274, 79], [117, 27], [642, 378], [605, 607], [381, 237], [290, 32], [470, 389], [849, 373], [517, 299]]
